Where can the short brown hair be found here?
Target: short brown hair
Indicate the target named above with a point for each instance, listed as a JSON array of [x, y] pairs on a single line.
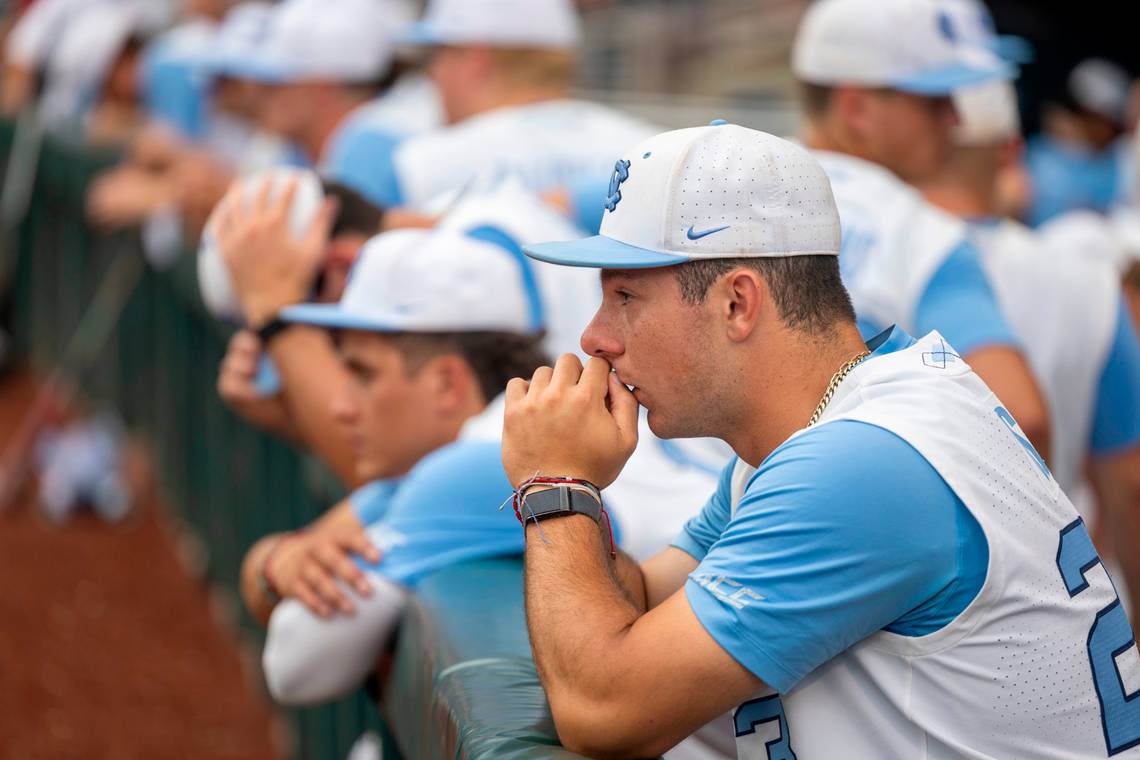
[[807, 290], [495, 357], [815, 99], [535, 68]]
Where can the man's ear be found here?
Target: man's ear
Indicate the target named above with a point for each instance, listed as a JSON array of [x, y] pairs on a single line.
[[452, 382], [741, 298], [849, 107]]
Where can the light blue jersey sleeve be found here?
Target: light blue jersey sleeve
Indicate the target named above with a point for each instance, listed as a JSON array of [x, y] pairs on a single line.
[[844, 531], [446, 511], [1116, 420], [960, 303], [370, 502], [363, 158], [702, 531]]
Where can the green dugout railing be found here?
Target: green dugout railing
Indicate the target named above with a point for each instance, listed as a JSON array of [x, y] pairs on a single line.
[[462, 684], [230, 483]]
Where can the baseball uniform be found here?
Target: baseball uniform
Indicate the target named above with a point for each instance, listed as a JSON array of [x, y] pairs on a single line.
[[908, 580]]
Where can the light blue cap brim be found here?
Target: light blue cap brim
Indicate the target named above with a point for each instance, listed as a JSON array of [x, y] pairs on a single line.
[[947, 79], [1015, 49], [419, 34], [333, 317], [255, 71], [601, 252]]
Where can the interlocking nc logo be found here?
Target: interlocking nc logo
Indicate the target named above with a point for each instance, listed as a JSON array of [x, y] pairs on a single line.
[[621, 174]]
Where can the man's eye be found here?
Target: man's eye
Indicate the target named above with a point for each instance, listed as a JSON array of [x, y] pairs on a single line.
[[625, 296]]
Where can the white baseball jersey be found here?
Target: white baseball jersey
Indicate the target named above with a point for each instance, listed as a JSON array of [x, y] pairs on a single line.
[[1055, 303], [548, 145], [1041, 664], [907, 263]]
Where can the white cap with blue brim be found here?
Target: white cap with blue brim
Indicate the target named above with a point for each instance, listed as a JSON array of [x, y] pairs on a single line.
[[538, 24], [721, 191], [915, 46], [430, 281], [327, 40]]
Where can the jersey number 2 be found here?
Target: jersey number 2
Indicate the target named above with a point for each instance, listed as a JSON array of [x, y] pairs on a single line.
[[1110, 636], [764, 723]]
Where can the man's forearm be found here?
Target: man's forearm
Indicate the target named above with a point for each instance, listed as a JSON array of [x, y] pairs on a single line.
[[260, 607], [310, 372], [628, 574], [574, 603]]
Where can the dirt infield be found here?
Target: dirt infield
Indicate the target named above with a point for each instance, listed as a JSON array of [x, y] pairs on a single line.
[[108, 649]]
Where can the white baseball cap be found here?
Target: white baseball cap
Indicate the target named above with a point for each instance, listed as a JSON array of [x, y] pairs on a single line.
[[715, 192], [1102, 87], [543, 24], [974, 22], [214, 281], [416, 280], [987, 114], [239, 38], [908, 45], [336, 40]]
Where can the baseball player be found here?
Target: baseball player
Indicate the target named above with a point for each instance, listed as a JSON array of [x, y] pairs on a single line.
[[1056, 302], [875, 79], [503, 70], [329, 67], [887, 570]]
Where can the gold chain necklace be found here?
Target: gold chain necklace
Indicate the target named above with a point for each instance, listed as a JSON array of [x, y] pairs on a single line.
[[836, 379]]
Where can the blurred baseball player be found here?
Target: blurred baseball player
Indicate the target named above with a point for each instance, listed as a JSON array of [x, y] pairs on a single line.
[[1056, 303], [875, 79], [503, 69], [888, 569], [329, 67]]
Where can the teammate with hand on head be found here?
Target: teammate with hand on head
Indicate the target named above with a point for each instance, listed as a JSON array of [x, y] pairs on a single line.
[[876, 78], [877, 573], [432, 326], [268, 269], [291, 410]]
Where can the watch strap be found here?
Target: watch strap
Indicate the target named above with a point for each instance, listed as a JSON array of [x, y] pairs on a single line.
[[560, 501], [271, 329]]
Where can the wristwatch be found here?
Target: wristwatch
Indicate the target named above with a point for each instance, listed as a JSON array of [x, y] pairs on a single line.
[[559, 501]]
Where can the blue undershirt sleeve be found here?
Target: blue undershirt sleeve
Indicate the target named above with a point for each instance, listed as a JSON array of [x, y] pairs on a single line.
[[702, 531], [960, 303], [363, 159], [1116, 419], [446, 511], [844, 531]]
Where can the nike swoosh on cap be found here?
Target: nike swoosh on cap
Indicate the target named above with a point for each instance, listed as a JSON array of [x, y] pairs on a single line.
[[693, 235]]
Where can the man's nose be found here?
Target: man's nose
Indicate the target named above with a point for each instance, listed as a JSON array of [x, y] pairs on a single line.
[[599, 341], [344, 406]]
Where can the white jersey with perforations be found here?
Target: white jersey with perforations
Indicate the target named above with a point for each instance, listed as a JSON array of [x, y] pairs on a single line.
[[1042, 664], [1055, 303]]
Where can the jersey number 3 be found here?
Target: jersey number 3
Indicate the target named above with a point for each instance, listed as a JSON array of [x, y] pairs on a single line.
[[762, 722], [1109, 637]]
